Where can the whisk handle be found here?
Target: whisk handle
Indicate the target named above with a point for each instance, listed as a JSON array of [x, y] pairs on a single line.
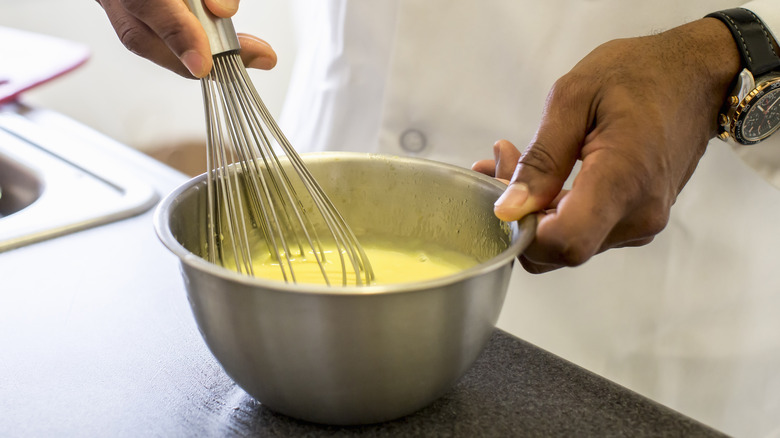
[[221, 33]]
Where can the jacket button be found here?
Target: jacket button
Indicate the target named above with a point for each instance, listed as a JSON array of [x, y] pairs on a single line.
[[413, 141]]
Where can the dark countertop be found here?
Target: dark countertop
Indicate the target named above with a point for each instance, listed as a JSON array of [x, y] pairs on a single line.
[[514, 389], [97, 339]]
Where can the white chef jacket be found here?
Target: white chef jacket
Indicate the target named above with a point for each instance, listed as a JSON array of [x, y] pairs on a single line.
[[691, 320]]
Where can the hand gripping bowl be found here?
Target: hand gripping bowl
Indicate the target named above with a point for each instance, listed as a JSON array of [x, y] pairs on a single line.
[[356, 355]]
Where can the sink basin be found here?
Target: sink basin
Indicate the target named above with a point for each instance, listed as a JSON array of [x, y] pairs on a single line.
[[55, 180], [19, 186]]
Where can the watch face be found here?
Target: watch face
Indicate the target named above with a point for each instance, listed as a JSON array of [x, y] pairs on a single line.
[[761, 116]]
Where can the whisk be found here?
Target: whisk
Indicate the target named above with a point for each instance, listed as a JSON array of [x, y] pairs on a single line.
[[251, 195]]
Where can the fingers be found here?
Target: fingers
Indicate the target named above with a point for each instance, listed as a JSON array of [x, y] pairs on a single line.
[[222, 8], [580, 224], [181, 32], [506, 158], [617, 199], [487, 167], [256, 53], [168, 34], [502, 166], [165, 33], [594, 215], [534, 266], [544, 166]]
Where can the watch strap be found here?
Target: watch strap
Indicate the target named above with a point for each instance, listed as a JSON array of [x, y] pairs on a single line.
[[755, 42]]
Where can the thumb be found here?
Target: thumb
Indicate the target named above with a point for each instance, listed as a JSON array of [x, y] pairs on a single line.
[[547, 162], [222, 8]]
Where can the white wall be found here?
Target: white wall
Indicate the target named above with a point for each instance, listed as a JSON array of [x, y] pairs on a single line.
[[131, 99]]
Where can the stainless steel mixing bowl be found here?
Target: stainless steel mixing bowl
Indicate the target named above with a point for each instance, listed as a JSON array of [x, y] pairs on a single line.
[[356, 355]]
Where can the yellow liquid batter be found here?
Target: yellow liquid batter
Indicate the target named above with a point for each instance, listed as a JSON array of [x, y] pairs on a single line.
[[392, 263]]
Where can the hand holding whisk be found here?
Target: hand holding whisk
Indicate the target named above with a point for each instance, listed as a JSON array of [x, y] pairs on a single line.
[[253, 197]]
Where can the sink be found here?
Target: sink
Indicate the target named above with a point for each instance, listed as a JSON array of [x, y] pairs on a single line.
[[59, 177], [19, 186]]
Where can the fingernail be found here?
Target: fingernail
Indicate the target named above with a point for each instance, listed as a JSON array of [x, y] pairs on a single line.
[[194, 62], [230, 6], [509, 206]]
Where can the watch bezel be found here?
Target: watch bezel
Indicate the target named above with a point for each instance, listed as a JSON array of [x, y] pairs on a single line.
[[763, 86]]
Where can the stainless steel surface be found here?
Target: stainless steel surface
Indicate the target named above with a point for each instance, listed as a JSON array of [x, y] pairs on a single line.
[[23, 186], [263, 203], [220, 31], [55, 183], [356, 354]]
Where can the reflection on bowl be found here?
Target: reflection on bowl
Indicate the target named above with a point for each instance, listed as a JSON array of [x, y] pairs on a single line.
[[356, 355]]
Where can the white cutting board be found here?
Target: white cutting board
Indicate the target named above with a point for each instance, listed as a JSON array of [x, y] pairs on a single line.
[[29, 59]]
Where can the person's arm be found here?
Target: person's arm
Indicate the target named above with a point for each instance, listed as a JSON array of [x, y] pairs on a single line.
[[639, 113], [167, 33]]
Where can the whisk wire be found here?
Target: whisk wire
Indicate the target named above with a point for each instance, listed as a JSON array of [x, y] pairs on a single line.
[[214, 255], [227, 183], [255, 183]]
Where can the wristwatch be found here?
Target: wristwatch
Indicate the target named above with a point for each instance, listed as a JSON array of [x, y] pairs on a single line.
[[751, 112]]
